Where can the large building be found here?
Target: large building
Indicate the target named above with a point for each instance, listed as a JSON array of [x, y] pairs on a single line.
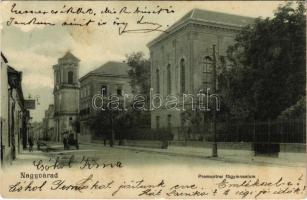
[[109, 79], [66, 94], [181, 59]]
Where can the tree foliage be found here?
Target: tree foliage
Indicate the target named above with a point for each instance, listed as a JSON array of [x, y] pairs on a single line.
[[108, 120], [139, 73], [267, 70], [140, 84]]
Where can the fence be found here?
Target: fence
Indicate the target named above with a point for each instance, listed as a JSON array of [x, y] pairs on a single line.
[[278, 131]]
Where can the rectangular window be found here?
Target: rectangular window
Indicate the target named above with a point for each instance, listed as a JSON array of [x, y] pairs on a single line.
[[103, 90], [119, 92], [169, 121], [158, 121]]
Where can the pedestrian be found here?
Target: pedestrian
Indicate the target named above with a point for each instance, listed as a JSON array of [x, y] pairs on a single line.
[[65, 141], [31, 143], [187, 129], [104, 140]]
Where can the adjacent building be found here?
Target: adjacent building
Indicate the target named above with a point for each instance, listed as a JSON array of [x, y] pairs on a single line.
[[181, 59], [66, 94], [14, 117], [109, 79]]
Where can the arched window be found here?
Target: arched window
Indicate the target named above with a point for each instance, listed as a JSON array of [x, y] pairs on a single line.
[[169, 81], [207, 72], [158, 80], [182, 75], [104, 91], [157, 122], [70, 77]]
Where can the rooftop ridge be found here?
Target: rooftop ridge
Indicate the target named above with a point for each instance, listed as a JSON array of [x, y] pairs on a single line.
[[115, 68], [210, 17]]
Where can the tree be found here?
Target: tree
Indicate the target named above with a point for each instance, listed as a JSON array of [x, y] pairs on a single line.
[[139, 73], [106, 123], [297, 111], [267, 73], [110, 123], [140, 84]]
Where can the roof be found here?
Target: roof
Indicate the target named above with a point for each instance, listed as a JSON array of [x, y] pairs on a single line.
[[114, 68], [218, 17], [111, 68], [211, 18], [69, 55], [4, 58], [15, 83]]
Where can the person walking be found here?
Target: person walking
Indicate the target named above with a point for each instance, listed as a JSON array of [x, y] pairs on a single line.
[[31, 143], [187, 129], [65, 141]]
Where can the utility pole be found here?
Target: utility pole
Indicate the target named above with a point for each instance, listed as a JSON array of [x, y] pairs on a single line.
[[214, 145]]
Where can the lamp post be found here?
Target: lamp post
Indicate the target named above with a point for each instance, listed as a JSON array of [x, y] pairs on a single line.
[[214, 145], [214, 89]]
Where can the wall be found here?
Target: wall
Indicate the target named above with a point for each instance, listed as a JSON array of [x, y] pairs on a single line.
[[192, 43], [92, 86], [6, 147]]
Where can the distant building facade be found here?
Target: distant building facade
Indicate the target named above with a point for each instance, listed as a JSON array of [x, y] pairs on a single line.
[[66, 94], [37, 131], [179, 63], [109, 79], [48, 124]]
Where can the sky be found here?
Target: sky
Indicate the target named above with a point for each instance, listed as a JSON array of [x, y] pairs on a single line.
[[34, 50]]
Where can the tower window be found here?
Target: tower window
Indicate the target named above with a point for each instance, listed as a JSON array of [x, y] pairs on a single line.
[[70, 77]]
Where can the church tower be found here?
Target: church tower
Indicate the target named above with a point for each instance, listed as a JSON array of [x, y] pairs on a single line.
[[66, 94]]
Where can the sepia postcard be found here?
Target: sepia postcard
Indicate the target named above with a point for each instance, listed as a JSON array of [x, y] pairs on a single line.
[[153, 99]]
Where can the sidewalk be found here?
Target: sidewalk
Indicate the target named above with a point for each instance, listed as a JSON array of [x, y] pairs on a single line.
[[28, 157], [227, 155]]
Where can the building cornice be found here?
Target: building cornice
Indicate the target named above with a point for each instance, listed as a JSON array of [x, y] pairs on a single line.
[[200, 22]]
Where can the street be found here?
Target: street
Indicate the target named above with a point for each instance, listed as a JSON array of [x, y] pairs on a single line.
[[179, 156]]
